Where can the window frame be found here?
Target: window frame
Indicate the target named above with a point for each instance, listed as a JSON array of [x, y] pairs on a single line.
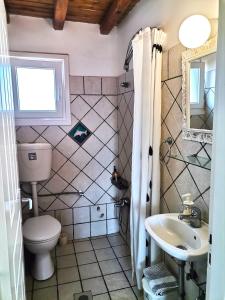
[[60, 64]]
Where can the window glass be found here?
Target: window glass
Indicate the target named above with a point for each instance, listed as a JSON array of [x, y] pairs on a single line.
[[194, 85], [36, 89]]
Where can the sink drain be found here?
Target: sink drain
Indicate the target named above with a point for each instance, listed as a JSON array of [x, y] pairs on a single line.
[[181, 247]]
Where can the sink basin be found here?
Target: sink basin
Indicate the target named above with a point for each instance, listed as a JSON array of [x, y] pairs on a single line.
[[177, 238]]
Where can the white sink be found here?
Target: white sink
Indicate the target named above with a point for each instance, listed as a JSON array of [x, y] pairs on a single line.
[[177, 238]]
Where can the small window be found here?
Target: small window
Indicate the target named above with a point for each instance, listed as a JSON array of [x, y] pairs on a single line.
[[197, 72], [40, 88]]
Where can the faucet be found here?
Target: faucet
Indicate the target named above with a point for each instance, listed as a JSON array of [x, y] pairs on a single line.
[[194, 218]]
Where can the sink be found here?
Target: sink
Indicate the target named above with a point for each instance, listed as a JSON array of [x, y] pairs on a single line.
[[178, 238]]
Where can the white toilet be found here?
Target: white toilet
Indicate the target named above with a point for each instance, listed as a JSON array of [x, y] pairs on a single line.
[[40, 233]]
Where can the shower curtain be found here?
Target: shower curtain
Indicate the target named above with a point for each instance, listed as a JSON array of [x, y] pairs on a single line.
[[147, 61]]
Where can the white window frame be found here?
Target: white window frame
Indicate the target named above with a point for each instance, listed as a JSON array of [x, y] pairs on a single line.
[[60, 64]]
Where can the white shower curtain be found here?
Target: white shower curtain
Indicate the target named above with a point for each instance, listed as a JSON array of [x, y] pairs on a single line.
[[147, 60]]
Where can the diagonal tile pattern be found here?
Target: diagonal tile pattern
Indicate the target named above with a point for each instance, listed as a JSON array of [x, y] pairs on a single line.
[[125, 133], [178, 178], [87, 167]]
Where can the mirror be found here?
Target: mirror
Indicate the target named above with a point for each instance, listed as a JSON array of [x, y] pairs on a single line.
[[198, 89]]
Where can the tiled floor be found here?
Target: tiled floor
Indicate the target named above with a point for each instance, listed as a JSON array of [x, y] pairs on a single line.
[[100, 265]]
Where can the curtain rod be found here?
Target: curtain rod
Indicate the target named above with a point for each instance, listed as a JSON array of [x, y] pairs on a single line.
[[129, 53]]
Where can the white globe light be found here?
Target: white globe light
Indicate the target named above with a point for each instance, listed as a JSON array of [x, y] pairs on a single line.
[[194, 31]]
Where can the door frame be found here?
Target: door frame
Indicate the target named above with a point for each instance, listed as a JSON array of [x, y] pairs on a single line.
[[216, 256]]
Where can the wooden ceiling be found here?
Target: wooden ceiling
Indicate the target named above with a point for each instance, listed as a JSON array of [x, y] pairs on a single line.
[[106, 13]]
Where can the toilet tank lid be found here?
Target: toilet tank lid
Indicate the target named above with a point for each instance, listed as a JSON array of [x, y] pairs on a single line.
[[41, 228], [34, 146]]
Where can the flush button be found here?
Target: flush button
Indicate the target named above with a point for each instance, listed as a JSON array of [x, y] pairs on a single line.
[[32, 156]]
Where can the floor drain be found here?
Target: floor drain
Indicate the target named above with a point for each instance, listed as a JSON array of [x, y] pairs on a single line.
[[181, 247], [83, 296]]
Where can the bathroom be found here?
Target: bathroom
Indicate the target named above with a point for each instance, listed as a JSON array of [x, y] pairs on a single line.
[[95, 195]]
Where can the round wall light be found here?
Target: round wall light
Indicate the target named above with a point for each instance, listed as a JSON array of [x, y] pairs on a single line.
[[194, 31]]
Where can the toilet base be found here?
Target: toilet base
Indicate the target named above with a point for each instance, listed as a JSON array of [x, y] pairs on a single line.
[[43, 267]]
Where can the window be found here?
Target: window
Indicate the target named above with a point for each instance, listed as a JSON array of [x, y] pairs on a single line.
[[197, 73], [40, 88]]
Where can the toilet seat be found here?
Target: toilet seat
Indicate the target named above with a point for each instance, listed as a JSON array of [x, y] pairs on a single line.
[[41, 229]]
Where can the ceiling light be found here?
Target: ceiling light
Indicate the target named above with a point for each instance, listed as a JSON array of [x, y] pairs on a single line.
[[194, 31]]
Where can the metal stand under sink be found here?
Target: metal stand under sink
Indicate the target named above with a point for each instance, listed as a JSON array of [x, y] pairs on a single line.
[[181, 266]]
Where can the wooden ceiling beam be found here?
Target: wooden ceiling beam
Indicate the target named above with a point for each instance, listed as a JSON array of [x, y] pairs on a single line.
[[117, 9], [60, 12]]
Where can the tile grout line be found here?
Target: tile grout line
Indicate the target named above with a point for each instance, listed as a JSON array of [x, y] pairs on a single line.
[[78, 267], [101, 271], [117, 258]]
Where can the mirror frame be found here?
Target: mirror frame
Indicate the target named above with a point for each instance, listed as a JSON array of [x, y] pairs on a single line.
[[192, 134]]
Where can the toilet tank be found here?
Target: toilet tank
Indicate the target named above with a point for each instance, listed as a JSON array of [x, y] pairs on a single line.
[[34, 161]]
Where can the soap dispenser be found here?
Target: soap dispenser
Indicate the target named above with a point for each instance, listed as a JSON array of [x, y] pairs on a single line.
[[187, 205]]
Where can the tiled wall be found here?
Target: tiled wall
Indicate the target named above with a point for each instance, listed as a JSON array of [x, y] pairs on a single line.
[[177, 177], [125, 136], [87, 168]]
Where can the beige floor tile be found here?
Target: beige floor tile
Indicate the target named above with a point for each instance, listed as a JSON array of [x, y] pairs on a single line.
[[39, 284], [66, 261], [101, 297], [110, 266], [95, 285], [116, 281], [65, 250], [86, 258], [49, 293], [125, 262], [82, 246], [67, 290], [125, 294], [89, 271], [105, 254], [122, 250], [67, 275], [116, 240], [100, 243]]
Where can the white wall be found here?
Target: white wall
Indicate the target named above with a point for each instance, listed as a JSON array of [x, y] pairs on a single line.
[[103, 55], [166, 14], [90, 52]]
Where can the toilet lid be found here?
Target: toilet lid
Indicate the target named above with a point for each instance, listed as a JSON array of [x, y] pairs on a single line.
[[41, 228]]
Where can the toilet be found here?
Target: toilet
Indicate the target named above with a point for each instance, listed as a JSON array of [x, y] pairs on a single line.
[[40, 233], [40, 236]]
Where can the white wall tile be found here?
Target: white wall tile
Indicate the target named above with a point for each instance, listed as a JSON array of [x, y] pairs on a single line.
[[111, 211], [82, 231], [113, 226], [98, 228], [98, 212], [81, 215]]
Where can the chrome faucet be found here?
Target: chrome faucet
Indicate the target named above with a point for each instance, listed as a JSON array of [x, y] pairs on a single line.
[[194, 218]]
